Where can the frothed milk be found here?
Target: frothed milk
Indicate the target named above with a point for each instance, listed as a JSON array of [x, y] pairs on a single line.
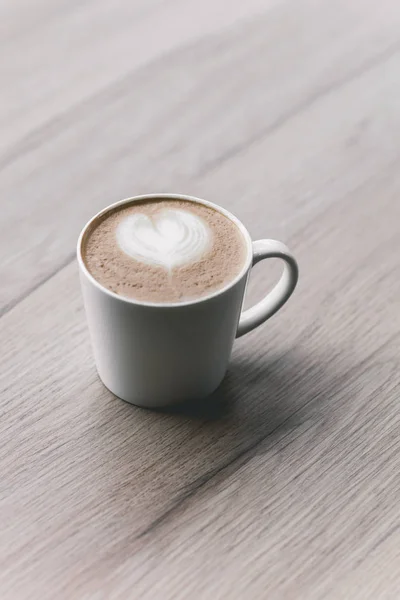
[[164, 250]]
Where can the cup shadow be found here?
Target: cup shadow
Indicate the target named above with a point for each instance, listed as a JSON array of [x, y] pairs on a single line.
[[213, 408], [165, 456], [262, 395]]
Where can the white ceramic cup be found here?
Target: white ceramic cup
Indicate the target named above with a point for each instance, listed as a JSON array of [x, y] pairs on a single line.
[[154, 355]]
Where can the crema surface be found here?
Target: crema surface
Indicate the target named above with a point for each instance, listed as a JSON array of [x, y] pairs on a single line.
[[164, 250]]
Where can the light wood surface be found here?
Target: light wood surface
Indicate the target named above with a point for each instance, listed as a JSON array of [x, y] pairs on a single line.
[[285, 484]]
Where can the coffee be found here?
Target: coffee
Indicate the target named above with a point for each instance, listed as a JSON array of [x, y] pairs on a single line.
[[164, 250]]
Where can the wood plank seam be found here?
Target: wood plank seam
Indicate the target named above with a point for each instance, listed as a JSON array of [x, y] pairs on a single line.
[[11, 305], [301, 107], [33, 140]]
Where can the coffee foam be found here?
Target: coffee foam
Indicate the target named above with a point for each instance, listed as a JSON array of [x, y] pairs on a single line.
[[170, 238], [164, 250]]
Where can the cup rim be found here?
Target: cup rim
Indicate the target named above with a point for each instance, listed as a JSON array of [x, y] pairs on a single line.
[[166, 196]]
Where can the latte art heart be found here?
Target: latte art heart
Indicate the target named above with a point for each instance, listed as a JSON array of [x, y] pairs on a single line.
[[169, 238]]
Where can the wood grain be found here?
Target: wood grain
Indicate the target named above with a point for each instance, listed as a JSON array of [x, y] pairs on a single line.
[[219, 95], [284, 485]]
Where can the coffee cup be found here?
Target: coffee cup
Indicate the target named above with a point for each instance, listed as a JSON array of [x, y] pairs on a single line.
[[157, 353]]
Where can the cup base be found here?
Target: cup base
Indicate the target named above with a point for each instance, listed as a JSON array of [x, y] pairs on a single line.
[[151, 405]]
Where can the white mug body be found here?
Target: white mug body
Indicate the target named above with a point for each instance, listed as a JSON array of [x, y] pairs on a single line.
[[159, 355]]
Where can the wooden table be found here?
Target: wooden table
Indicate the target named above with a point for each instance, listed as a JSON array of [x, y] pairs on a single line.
[[286, 484]]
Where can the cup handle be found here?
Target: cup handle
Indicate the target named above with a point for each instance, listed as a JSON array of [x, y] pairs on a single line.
[[263, 310]]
